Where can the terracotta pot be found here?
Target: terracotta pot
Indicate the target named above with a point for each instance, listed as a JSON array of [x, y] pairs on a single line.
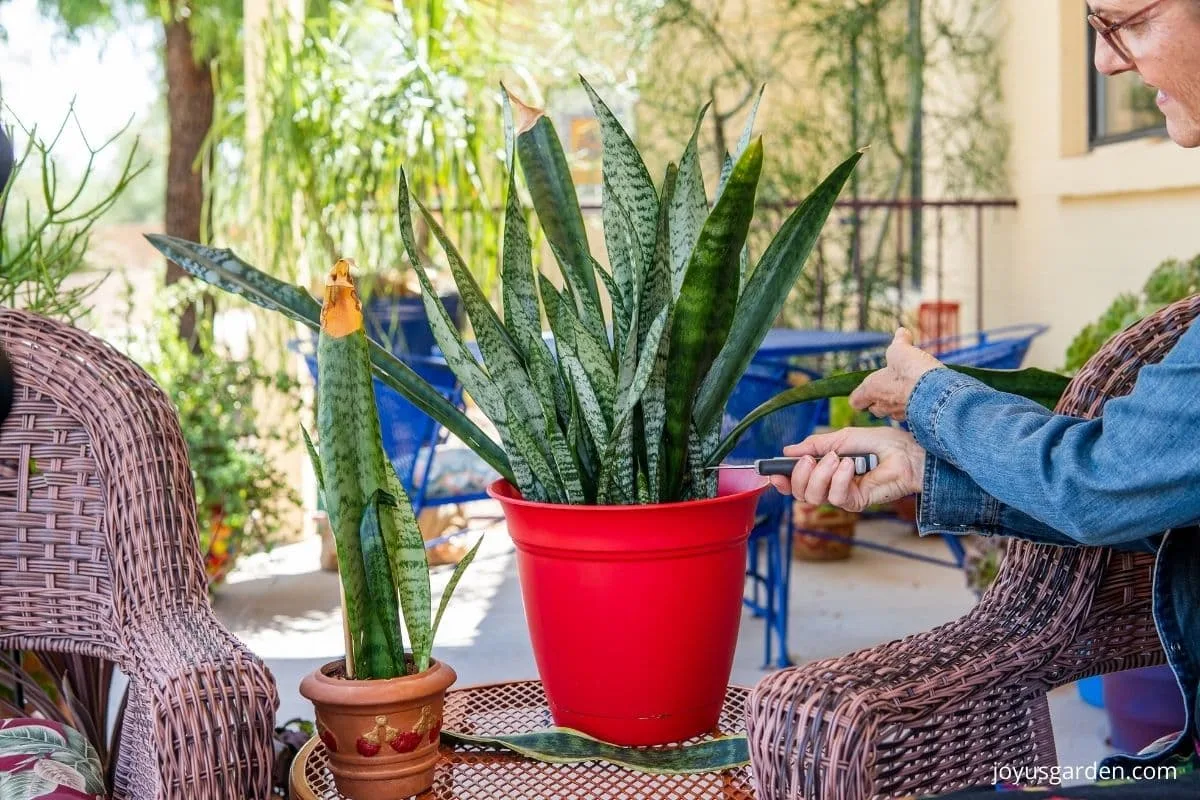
[[633, 611], [382, 735], [823, 519]]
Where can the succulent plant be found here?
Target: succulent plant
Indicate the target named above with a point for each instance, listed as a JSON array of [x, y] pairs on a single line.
[[617, 409]]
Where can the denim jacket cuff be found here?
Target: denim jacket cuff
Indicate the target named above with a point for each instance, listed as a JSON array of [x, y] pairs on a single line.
[[953, 503], [929, 397]]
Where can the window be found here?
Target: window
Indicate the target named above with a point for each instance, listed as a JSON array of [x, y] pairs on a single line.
[[1121, 107]]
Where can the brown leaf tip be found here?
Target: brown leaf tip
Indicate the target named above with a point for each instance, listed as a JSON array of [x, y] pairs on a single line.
[[524, 116], [341, 314]]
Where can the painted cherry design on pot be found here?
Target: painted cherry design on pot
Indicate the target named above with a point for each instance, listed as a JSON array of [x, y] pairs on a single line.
[[328, 740], [406, 742], [371, 742], [366, 748]]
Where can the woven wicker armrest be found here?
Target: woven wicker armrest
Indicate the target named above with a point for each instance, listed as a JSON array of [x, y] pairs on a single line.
[[935, 711], [201, 707]]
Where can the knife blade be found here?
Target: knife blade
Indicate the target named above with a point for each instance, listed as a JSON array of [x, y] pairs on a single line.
[[863, 463]]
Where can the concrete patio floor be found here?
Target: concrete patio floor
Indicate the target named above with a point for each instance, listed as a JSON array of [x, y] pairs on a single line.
[[286, 610]]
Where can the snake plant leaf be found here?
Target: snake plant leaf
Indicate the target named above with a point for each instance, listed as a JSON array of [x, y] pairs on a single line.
[[223, 269], [578, 446], [624, 254], [548, 178], [704, 314], [532, 452], [702, 483], [315, 458], [626, 175], [766, 292], [589, 313], [1044, 388], [452, 584], [622, 314], [522, 314], [410, 568], [382, 654], [353, 467], [743, 142], [596, 420], [503, 359], [654, 414], [656, 287], [567, 746], [688, 206]]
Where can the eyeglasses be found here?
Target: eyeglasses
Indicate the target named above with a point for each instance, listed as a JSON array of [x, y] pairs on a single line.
[[1108, 30]]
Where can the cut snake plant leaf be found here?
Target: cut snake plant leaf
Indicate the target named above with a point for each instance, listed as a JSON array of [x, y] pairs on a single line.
[[704, 314], [548, 177], [410, 569], [1044, 388], [383, 652], [452, 584], [223, 269], [626, 175], [766, 292], [567, 746], [688, 207]]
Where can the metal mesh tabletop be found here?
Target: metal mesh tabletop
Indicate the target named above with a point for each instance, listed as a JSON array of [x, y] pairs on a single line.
[[468, 773]]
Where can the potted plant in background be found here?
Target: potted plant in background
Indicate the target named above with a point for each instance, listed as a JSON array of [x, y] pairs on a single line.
[[379, 710], [631, 552]]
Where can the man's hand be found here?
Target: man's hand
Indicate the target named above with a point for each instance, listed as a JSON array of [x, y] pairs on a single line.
[[821, 477], [885, 392]]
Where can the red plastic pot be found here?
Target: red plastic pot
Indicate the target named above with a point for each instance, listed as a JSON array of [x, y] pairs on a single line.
[[633, 611]]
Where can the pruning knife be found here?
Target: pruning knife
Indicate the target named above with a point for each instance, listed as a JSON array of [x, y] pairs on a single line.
[[863, 463]]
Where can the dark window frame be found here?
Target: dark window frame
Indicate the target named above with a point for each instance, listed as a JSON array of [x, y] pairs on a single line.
[[1096, 103]]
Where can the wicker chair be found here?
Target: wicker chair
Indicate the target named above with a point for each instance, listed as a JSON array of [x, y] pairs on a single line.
[[100, 565], [933, 712]]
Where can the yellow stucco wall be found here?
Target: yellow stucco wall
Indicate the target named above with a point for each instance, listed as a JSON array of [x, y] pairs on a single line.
[[1091, 223]]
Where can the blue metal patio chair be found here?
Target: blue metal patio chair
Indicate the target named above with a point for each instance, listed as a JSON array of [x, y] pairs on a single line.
[[771, 537]]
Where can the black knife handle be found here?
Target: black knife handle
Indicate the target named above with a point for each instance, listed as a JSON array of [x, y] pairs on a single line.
[[863, 463]]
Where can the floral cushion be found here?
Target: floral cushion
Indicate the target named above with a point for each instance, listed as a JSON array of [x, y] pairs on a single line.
[[44, 760], [455, 472]]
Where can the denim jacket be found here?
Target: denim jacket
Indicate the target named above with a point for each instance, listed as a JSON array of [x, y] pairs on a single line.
[[999, 464]]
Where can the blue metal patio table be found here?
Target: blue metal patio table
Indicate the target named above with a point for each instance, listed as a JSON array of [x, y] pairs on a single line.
[[781, 343]]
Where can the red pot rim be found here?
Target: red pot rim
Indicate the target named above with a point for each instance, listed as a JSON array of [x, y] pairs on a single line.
[[500, 489]]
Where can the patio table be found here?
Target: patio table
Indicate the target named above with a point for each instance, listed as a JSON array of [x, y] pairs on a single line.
[[783, 343], [474, 773]]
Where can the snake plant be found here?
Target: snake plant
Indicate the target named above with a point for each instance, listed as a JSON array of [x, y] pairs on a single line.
[[381, 555], [618, 408]]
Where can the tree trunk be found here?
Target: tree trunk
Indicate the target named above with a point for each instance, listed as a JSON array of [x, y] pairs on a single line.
[[190, 115]]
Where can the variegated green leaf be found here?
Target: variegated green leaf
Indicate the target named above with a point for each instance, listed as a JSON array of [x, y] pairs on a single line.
[[656, 288], [621, 312], [563, 322], [315, 458], [702, 482], [589, 313], [704, 313], [766, 291], [410, 569], [452, 584], [688, 207], [654, 414], [552, 191], [503, 361], [522, 313], [538, 461], [743, 142], [626, 175], [383, 658]]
